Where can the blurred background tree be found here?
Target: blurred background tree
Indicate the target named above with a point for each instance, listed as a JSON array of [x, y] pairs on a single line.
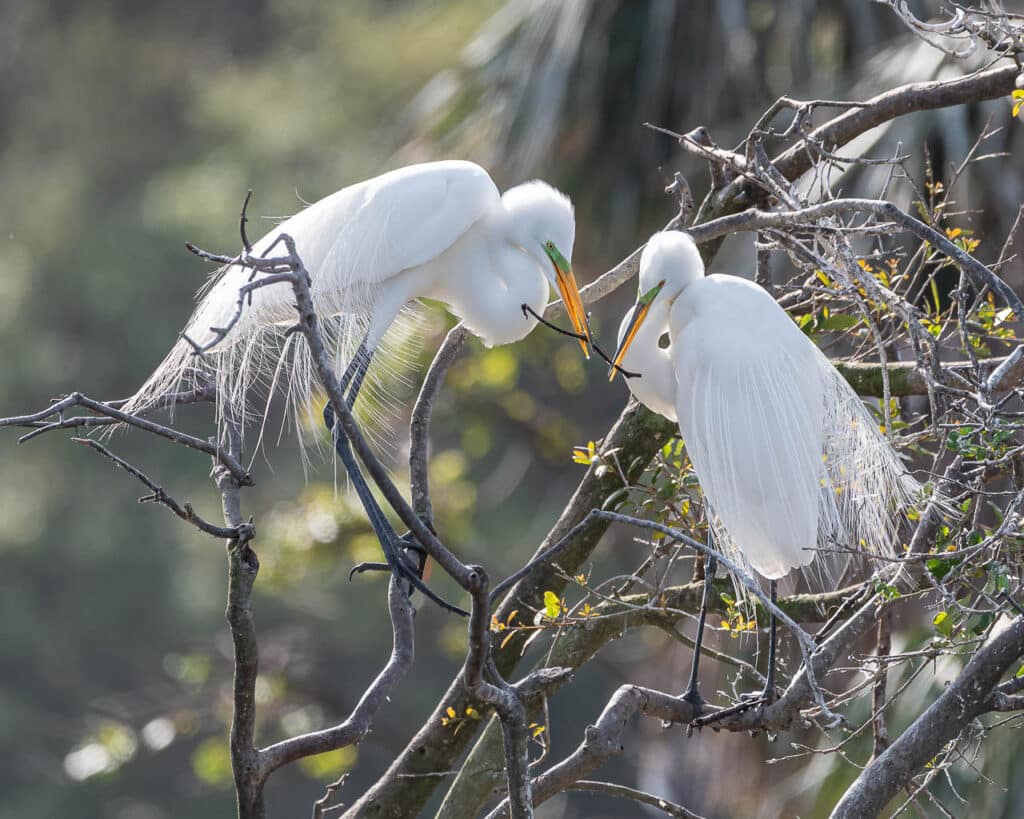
[[128, 128]]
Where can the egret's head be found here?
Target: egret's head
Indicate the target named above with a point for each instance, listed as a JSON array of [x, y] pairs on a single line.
[[670, 262], [544, 226]]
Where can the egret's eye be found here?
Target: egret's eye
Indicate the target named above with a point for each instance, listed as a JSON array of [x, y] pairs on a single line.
[[550, 245]]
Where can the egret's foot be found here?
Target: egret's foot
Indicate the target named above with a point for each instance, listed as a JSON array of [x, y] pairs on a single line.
[[697, 703], [407, 564], [747, 701], [406, 571]]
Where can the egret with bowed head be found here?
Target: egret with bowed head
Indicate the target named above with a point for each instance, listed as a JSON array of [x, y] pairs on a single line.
[[438, 230], [788, 458]]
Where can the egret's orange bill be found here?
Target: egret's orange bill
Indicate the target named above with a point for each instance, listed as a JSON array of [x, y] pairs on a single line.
[[570, 294], [640, 311]]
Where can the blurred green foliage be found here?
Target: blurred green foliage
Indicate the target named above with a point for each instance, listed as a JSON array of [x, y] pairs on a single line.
[[128, 129]]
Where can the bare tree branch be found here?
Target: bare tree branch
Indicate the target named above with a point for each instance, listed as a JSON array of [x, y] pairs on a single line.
[[611, 789], [358, 724], [419, 423], [962, 701], [158, 495], [76, 399]]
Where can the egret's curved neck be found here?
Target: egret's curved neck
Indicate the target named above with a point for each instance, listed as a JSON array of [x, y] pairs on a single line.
[[487, 278], [656, 388]]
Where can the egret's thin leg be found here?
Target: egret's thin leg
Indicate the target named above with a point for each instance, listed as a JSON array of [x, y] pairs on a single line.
[[769, 686], [692, 694], [351, 382], [767, 697], [352, 379], [355, 372], [389, 540]]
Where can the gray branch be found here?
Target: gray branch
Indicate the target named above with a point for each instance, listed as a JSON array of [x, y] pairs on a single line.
[[358, 724], [969, 696], [419, 423]]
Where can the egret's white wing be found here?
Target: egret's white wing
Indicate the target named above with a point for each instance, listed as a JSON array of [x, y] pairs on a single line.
[[749, 406], [356, 239], [787, 455], [352, 242]]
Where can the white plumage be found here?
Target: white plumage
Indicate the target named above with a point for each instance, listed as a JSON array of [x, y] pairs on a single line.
[[788, 457], [437, 230]]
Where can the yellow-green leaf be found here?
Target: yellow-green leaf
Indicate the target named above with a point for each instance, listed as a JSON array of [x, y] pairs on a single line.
[[1018, 96], [328, 764], [552, 605]]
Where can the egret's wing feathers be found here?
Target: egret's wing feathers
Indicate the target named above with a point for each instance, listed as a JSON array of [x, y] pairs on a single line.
[[787, 455], [751, 419], [352, 242]]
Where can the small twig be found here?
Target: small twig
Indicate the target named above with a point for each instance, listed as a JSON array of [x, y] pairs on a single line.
[[77, 399], [649, 799], [243, 219], [354, 728], [753, 219], [883, 646], [244, 531]]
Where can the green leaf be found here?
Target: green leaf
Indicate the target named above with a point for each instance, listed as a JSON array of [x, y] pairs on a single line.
[[614, 498], [837, 322], [887, 590], [943, 623], [940, 567], [552, 605], [982, 624]]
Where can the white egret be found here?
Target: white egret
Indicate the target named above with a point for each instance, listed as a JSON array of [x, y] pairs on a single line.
[[438, 230], [788, 457]]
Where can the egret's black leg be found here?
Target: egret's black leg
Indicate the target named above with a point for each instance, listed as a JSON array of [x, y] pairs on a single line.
[[391, 544], [692, 693], [768, 696]]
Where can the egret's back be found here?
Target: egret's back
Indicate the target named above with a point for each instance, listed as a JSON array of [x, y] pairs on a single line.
[[788, 457]]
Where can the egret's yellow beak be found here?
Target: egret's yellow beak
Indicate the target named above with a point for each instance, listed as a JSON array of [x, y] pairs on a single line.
[[570, 294], [640, 311]]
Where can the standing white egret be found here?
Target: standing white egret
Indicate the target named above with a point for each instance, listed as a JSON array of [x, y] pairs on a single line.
[[786, 454], [437, 230]]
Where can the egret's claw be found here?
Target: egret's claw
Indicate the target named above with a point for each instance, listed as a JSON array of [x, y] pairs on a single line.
[[368, 566], [697, 704], [400, 566], [748, 701]]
